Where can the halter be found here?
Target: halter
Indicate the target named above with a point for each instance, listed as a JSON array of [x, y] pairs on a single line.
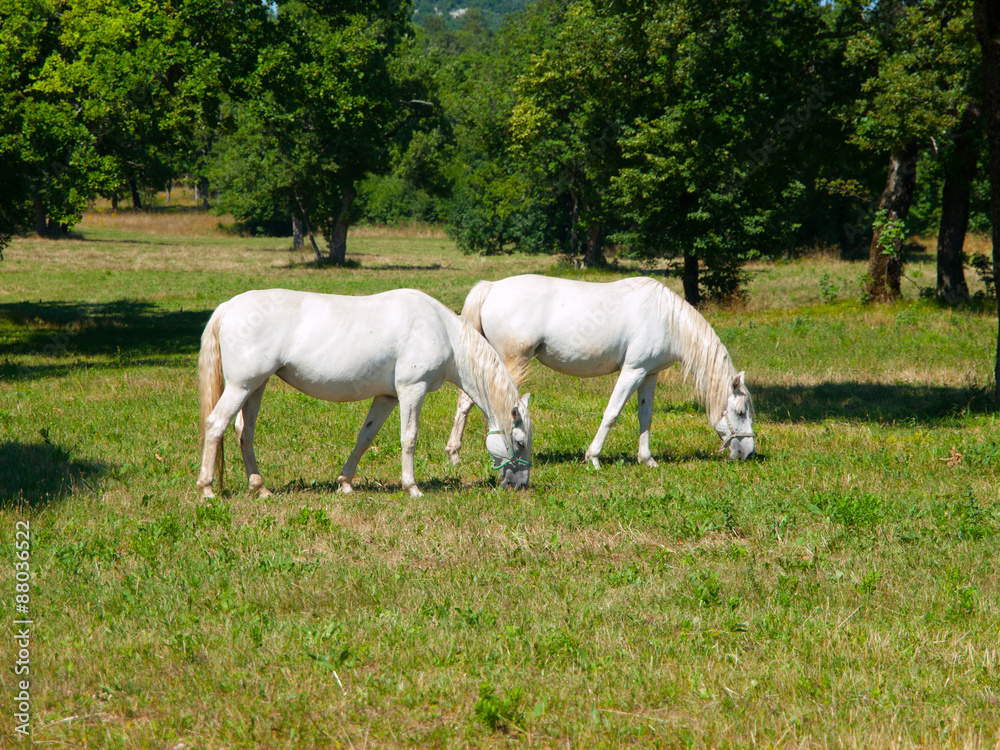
[[513, 459], [733, 434]]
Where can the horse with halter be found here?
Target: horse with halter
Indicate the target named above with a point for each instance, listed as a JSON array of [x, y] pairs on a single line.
[[393, 348], [636, 327]]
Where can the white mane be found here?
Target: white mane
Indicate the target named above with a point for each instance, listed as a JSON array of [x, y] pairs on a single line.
[[484, 371], [702, 352]]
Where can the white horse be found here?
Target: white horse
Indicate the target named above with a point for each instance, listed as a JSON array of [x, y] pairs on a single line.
[[635, 326], [393, 348]]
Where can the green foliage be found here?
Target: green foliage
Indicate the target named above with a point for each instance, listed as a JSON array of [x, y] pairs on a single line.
[[853, 510], [313, 116], [890, 233], [983, 265], [921, 61], [103, 95], [828, 288], [499, 714]]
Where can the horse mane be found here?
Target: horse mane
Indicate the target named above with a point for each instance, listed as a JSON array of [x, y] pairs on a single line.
[[490, 376], [703, 354]]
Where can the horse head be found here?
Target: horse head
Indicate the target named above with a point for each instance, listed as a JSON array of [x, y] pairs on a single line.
[[512, 453], [735, 428]]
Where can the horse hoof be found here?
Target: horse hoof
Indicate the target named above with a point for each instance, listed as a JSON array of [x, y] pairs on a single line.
[[257, 487], [414, 492], [650, 462], [344, 487], [453, 454], [207, 494]]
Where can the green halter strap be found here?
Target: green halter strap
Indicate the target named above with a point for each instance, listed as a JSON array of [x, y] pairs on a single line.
[[513, 459]]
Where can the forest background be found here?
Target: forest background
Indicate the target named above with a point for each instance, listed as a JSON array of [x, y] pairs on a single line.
[[704, 132]]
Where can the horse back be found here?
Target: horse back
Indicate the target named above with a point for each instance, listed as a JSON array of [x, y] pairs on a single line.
[[339, 348], [575, 327]]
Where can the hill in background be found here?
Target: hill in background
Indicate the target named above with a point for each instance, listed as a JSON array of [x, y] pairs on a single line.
[[452, 11]]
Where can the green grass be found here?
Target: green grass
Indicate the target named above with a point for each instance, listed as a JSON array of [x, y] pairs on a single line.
[[841, 591]]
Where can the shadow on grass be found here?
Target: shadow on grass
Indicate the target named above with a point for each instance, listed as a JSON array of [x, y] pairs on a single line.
[[352, 264], [125, 328], [869, 402], [709, 453], [37, 474], [429, 484]]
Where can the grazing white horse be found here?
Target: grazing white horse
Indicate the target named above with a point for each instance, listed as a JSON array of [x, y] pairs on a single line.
[[635, 326], [393, 348]]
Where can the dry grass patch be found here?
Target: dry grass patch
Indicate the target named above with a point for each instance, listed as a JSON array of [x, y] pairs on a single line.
[[177, 222]]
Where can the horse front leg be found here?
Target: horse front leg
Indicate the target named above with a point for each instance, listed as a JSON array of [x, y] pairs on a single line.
[[644, 397], [628, 380], [410, 401], [246, 422], [454, 446], [378, 412]]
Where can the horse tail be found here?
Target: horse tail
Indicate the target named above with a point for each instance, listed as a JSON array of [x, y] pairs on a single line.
[[211, 382], [472, 310]]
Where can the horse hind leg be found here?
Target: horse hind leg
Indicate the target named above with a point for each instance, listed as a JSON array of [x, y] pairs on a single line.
[[378, 412], [228, 406], [246, 422], [644, 403]]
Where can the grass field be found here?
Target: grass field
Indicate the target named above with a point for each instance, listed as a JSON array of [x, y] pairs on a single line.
[[841, 591]]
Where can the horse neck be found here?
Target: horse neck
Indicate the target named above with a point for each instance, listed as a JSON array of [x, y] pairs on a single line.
[[482, 375], [702, 353]]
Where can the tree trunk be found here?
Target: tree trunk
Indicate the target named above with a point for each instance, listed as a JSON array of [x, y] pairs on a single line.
[[885, 256], [574, 213], [298, 232], [338, 239], [114, 201], [136, 198], [692, 293], [593, 249], [203, 190], [304, 219], [41, 225], [956, 196], [987, 18]]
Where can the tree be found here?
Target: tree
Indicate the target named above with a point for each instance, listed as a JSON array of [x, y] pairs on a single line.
[[108, 97], [314, 118], [44, 146], [960, 163], [709, 167], [917, 89], [574, 102], [496, 205], [987, 26]]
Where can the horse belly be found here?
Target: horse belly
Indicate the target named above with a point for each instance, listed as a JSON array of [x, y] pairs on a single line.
[[339, 384], [580, 362]]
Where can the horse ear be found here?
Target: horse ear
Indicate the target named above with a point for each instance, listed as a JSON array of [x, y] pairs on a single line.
[[739, 381], [524, 400]]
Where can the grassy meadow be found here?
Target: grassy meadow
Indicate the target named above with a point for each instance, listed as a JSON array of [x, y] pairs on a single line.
[[841, 591]]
